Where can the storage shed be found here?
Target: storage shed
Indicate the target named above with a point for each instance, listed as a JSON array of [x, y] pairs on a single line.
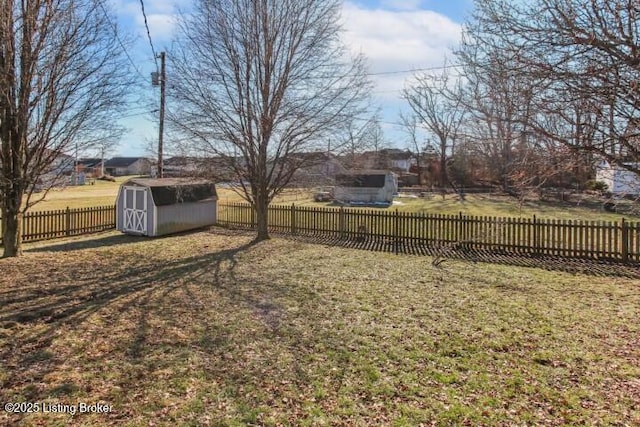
[[366, 187], [155, 207]]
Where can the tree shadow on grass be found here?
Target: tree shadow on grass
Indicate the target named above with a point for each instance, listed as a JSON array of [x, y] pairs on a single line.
[[30, 317], [143, 295], [84, 243], [73, 302], [602, 268]]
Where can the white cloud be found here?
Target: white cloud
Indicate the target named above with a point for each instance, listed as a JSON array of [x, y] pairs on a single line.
[[161, 17], [398, 40], [161, 26], [399, 35]]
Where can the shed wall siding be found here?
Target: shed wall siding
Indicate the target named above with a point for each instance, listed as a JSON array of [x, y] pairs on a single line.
[[185, 216], [368, 194], [119, 210], [363, 195], [151, 212]]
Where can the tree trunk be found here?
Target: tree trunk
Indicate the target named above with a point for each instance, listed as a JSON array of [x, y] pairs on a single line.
[[261, 207], [444, 178], [11, 233]]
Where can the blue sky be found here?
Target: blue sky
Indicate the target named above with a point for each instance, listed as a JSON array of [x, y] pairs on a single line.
[[395, 35], [453, 9]]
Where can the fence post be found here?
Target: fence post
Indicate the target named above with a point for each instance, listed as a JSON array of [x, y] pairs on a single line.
[[459, 238], [396, 218], [536, 236], [341, 223], [67, 221], [625, 241], [293, 218]]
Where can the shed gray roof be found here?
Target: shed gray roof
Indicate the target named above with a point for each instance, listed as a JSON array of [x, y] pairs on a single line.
[[170, 191], [362, 178]]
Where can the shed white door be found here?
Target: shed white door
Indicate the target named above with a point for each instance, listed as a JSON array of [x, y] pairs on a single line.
[[135, 210]]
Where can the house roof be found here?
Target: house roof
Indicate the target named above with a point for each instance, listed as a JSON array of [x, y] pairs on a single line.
[[367, 172], [121, 162], [362, 178], [182, 160], [47, 152], [397, 154], [170, 191], [313, 156], [390, 153], [89, 162]]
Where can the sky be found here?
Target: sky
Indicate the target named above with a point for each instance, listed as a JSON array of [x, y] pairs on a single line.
[[397, 37]]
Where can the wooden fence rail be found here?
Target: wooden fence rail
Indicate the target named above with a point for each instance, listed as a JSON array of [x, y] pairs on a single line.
[[617, 241], [66, 222], [614, 241]]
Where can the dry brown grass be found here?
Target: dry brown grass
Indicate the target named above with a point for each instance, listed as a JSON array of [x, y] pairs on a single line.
[[103, 193], [212, 329]]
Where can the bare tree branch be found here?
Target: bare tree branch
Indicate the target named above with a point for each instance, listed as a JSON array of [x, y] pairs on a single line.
[[62, 79], [436, 102], [585, 58], [259, 81]]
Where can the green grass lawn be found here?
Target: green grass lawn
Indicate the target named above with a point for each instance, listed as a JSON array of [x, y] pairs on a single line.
[[101, 193], [210, 329], [104, 193], [503, 206]]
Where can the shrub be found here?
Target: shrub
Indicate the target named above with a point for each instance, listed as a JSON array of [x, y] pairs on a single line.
[[594, 185]]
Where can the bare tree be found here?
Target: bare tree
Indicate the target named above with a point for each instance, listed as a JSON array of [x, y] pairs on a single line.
[[436, 102], [419, 150], [61, 77], [106, 143], [356, 136], [257, 81], [499, 111], [375, 135], [585, 55]]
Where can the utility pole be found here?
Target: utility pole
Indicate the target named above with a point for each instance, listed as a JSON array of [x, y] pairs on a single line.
[[74, 180], [163, 80], [102, 162]]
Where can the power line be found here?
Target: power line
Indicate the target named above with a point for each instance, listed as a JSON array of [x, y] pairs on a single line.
[[115, 31], [441, 67], [137, 114], [386, 122], [146, 24], [384, 73]]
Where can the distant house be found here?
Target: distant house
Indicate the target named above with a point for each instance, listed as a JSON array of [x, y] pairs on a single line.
[[58, 171], [619, 181], [119, 166], [366, 186], [400, 160], [90, 166], [62, 164], [388, 158], [182, 166], [218, 168], [316, 168]]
